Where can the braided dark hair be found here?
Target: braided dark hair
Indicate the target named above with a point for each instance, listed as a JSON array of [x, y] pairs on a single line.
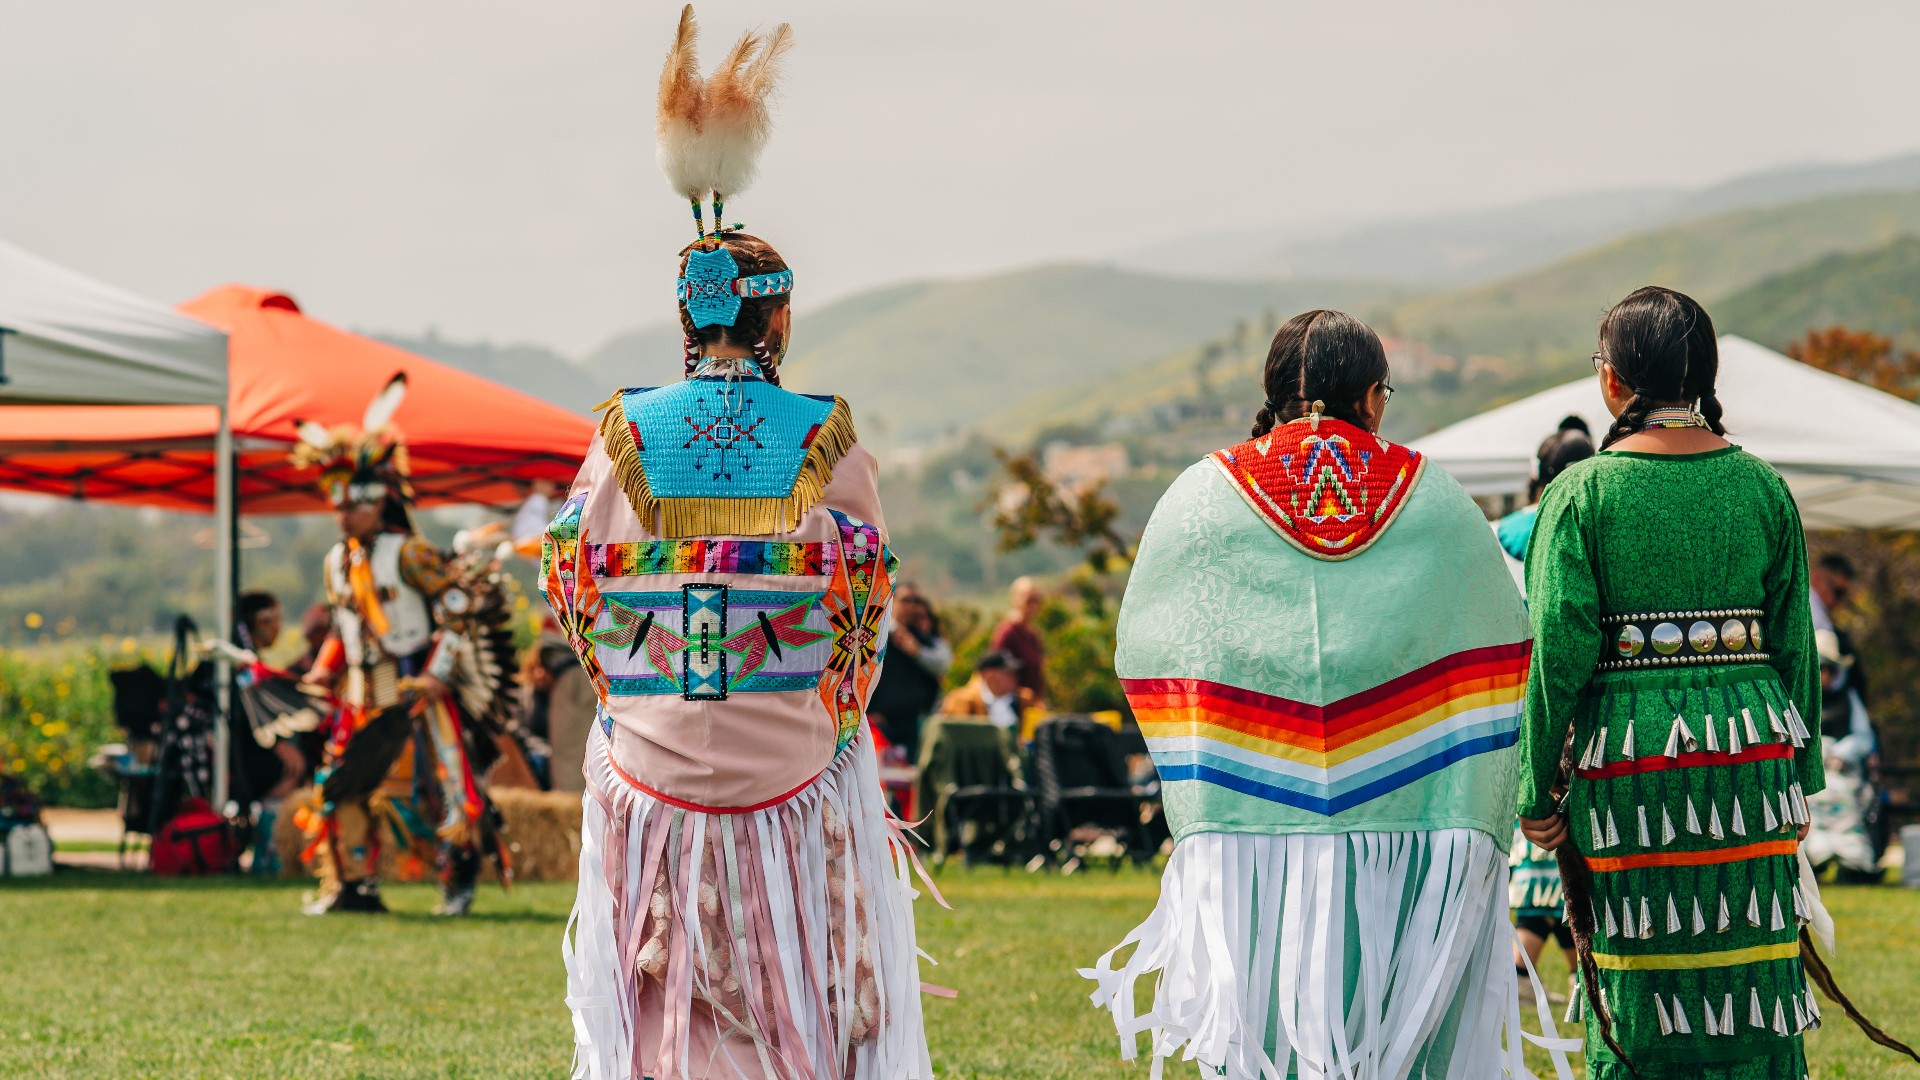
[[754, 256], [1662, 345], [1325, 356]]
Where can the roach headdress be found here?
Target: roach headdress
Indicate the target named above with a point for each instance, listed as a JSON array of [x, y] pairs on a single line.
[[711, 130], [365, 465]]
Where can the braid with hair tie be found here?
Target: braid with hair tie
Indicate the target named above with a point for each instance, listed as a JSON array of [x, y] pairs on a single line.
[[1266, 419], [1710, 412], [1631, 419], [768, 361], [692, 354]]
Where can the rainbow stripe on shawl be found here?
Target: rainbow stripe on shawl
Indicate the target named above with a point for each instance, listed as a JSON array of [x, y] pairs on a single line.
[[1283, 691], [1327, 759]]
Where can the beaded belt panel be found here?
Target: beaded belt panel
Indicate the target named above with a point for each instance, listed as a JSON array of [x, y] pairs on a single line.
[[1683, 638]]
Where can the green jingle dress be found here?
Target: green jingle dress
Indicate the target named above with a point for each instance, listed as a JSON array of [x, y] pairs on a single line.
[[1692, 759]]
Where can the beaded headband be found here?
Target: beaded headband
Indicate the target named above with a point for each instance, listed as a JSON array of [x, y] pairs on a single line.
[[713, 287]]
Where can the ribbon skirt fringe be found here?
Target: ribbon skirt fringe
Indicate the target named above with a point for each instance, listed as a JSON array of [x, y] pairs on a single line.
[[1363, 956], [775, 944]]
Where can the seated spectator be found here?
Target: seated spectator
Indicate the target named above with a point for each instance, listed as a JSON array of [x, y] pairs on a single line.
[[994, 692], [274, 771], [262, 775], [917, 660]]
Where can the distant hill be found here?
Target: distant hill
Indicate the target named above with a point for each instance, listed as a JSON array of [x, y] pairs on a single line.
[[531, 369], [1556, 309], [1762, 272], [650, 356], [1459, 249], [1877, 290], [925, 359]]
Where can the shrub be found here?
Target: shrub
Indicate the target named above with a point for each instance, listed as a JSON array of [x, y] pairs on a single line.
[[56, 708]]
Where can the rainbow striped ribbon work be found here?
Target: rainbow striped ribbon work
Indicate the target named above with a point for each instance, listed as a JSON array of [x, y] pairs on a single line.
[[1332, 758], [769, 557]]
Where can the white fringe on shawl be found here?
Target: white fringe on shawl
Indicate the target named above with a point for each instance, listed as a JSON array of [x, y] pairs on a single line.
[[732, 928], [1254, 926]]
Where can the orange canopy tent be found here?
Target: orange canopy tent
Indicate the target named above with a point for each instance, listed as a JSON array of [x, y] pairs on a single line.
[[469, 440]]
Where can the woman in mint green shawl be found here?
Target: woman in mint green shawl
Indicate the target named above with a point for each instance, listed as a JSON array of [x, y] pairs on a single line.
[[1328, 659]]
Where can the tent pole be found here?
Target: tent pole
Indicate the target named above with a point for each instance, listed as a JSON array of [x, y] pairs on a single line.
[[226, 580]]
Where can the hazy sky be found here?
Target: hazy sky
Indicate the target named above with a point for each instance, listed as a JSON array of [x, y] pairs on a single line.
[[487, 168]]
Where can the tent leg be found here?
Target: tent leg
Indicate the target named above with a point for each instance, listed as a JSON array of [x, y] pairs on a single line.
[[226, 580]]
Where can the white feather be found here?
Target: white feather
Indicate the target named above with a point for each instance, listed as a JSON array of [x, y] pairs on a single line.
[[314, 434], [682, 106], [384, 404], [738, 123]]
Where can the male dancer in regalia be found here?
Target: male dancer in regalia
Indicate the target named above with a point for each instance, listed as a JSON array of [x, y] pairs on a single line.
[[414, 659]]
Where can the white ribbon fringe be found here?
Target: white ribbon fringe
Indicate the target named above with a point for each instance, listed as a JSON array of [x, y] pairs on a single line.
[[786, 934], [1408, 930]]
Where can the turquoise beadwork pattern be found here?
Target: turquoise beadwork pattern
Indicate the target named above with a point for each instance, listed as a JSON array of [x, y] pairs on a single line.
[[718, 438]]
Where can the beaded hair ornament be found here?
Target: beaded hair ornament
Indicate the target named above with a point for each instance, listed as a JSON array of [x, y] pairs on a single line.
[[711, 130]]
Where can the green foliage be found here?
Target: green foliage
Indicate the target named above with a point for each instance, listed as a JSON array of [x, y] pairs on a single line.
[[81, 570], [56, 708], [1876, 291], [1078, 633]]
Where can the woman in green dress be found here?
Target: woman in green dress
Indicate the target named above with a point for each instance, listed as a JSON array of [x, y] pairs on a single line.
[[1667, 585]]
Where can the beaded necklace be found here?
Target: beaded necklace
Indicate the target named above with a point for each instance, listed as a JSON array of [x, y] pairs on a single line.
[[1673, 417]]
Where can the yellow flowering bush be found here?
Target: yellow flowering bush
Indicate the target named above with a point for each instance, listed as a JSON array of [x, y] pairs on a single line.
[[56, 708]]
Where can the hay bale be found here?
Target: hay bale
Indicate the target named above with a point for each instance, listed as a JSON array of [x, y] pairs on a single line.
[[542, 834], [542, 838]]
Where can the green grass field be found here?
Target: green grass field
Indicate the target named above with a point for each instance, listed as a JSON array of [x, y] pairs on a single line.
[[109, 976]]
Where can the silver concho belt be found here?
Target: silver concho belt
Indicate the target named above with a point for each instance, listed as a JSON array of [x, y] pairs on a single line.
[[1682, 638]]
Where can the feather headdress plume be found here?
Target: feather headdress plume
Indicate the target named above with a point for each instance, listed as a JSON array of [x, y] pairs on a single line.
[[711, 130], [364, 464]]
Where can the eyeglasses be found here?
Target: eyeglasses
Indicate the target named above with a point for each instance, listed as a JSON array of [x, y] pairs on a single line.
[[1598, 363], [1386, 390]]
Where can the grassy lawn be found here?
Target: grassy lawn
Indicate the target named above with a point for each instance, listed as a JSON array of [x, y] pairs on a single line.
[[109, 976]]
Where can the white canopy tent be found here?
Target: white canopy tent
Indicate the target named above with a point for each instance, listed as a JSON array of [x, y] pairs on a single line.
[[70, 340], [66, 339], [1850, 453]]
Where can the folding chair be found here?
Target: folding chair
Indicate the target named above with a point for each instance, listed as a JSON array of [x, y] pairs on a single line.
[[970, 789], [1079, 768]]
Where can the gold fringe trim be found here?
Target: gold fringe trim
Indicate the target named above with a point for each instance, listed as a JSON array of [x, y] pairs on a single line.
[[617, 439], [718, 515]]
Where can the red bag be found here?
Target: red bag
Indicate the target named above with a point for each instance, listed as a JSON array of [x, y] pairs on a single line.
[[196, 841]]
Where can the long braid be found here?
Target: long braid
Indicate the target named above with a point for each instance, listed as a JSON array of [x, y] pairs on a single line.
[[1822, 976], [1631, 419], [768, 360], [1710, 412], [1576, 885], [1264, 421]]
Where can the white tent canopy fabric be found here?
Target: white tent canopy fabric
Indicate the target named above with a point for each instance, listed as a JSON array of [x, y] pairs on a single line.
[[1850, 453], [68, 339]]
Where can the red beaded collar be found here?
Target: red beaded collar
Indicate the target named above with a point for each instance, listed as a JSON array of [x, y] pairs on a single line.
[[1330, 488]]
